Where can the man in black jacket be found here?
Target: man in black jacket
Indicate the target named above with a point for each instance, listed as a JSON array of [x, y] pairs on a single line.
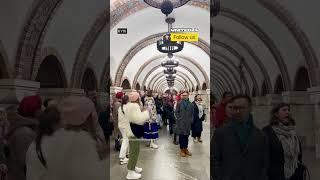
[[240, 149]]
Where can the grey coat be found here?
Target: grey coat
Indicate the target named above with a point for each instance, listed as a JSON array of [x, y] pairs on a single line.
[[184, 116], [230, 163]]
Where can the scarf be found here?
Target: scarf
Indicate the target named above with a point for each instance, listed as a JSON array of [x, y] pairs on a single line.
[[185, 103], [291, 148], [242, 130], [200, 107]]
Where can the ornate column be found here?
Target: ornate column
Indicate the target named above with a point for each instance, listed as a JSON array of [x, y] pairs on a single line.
[[13, 90], [260, 111], [60, 93]]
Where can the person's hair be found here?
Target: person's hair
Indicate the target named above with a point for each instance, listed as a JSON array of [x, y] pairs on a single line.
[[195, 97], [46, 102], [225, 94], [149, 93], [125, 99], [48, 121], [242, 96], [275, 120], [229, 101]]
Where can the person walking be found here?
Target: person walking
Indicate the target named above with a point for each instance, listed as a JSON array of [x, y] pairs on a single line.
[[220, 110], [184, 114]]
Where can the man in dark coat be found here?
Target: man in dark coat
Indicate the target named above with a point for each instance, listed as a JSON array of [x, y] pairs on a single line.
[[184, 115], [240, 149]]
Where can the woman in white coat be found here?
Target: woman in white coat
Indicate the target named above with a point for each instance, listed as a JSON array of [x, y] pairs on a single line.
[[136, 118], [74, 152]]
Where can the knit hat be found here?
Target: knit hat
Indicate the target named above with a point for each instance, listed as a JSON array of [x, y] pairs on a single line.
[[133, 96], [119, 95], [29, 105], [75, 110]]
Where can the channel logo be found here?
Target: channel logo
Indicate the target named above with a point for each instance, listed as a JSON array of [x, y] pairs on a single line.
[[122, 31]]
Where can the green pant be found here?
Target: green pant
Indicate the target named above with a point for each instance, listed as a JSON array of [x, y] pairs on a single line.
[[134, 145]]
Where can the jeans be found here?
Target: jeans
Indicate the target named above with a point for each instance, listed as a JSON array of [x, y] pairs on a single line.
[[134, 145], [124, 145], [183, 141]]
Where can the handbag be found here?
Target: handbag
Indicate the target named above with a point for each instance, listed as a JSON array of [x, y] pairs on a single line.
[[137, 130]]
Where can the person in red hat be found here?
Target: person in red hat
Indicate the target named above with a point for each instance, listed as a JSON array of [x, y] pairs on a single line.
[[21, 134]]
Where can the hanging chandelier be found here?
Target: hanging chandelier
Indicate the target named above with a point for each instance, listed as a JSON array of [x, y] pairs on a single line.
[[165, 45], [170, 71], [165, 4], [170, 63]]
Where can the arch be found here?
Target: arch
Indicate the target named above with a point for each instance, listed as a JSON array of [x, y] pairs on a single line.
[[160, 75], [237, 55], [302, 81], [194, 62], [137, 86], [89, 80], [263, 36], [86, 46], [32, 36], [5, 70], [301, 38], [144, 43], [204, 86], [105, 80], [125, 84], [44, 53], [50, 74], [278, 87], [264, 89], [183, 66], [251, 53], [163, 81]]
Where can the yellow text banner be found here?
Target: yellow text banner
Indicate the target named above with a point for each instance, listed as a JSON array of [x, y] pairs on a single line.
[[186, 37]]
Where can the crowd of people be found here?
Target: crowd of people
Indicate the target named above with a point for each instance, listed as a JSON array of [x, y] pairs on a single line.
[[139, 117], [67, 138], [241, 151]]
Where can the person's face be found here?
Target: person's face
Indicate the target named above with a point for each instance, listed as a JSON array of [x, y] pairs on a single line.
[[229, 110], [284, 115], [198, 98], [241, 109], [184, 96]]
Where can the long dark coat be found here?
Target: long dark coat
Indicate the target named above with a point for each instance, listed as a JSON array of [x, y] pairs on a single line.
[[197, 122], [184, 118], [232, 163], [276, 157]]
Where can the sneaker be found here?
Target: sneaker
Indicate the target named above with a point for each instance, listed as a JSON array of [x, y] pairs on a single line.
[[154, 146], [133, 175], [138, 170], [195, 140], [124, 161], [200, 140]]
